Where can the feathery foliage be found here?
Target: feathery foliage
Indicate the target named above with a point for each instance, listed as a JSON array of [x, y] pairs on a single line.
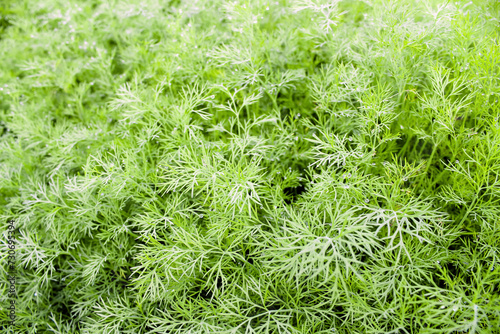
[[291, 166]]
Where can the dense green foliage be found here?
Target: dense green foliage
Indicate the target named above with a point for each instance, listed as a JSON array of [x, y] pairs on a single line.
[[216, 166]]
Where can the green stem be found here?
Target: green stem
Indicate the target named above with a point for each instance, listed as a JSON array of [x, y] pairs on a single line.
[[472, 205], [432, 156], [438, 177], [421, 149], [403, 149]]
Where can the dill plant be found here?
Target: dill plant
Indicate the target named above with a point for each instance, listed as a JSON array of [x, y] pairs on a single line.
[[291, 166]]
